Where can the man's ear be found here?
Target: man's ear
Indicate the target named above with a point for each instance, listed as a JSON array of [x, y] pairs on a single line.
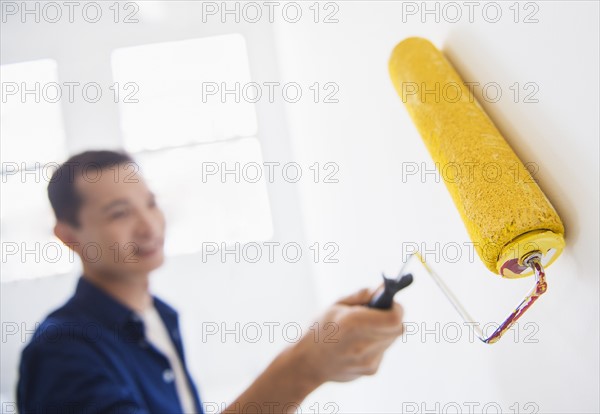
[[66, 234]]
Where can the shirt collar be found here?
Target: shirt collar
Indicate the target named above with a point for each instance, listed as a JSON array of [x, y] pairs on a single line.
[[168, 314], [113, 313]]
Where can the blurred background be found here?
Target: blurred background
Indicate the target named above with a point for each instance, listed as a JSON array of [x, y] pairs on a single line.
[[291, 174]]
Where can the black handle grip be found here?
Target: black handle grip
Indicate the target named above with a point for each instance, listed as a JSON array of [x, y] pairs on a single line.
[[385, 298]]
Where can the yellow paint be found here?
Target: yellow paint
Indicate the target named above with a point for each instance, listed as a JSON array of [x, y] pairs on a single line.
[[495, 194]]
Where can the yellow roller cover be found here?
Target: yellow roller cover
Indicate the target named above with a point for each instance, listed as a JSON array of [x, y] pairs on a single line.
[[506, 214]]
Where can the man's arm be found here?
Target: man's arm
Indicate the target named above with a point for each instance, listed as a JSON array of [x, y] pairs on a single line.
[[350, 343], [280, 387]]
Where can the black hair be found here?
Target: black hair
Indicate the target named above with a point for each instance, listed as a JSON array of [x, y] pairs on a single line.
[[61, 189]]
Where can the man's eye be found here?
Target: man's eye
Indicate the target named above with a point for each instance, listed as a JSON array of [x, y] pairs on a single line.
[[118, 214]]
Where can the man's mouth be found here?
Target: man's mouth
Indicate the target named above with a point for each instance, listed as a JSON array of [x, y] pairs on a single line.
[[149, 249]]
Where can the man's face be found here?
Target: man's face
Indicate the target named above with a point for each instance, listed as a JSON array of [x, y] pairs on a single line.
[[121, 228]]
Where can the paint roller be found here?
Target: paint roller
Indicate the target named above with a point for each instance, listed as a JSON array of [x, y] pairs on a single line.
[[514, 228]]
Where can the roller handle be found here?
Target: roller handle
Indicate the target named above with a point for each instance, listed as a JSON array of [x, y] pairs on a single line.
[[384, 298]]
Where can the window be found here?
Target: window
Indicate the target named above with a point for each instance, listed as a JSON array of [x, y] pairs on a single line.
[[186, 135], [32, 126], [162, 89], [200, 204], [33, 142]]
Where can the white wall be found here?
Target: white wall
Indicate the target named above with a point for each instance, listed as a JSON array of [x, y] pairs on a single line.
[[371, 213]]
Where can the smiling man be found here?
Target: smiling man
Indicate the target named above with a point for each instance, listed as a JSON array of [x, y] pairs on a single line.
[[114, 347]]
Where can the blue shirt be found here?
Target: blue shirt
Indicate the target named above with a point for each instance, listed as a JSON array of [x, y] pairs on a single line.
[[91, 356]]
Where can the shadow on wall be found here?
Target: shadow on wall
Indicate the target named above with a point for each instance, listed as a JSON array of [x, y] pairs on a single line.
[[537, 134], [534, 140]]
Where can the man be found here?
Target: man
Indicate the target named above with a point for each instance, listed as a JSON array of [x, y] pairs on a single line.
[[113, 347]]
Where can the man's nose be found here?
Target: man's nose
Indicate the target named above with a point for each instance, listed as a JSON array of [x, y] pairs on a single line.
[[148, 225]]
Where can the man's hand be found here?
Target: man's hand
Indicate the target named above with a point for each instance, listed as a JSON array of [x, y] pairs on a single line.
[[351, 339], [349, 342]]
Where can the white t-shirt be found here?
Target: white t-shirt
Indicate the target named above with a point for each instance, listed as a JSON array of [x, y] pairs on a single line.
[[157, 334]]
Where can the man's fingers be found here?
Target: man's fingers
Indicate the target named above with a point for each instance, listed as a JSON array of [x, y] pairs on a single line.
[[388, 321], [361, 297]]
